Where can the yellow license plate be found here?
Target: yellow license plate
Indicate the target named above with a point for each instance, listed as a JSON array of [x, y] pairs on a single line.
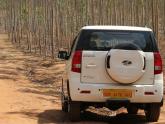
[[117, 93]]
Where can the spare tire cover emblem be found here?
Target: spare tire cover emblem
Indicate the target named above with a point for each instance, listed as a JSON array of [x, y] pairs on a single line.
[[127, 62]]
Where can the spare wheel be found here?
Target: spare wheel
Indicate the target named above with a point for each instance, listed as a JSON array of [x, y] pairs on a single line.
[[125, 64]]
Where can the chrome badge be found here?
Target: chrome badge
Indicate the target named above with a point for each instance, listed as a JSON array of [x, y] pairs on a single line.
[[127, 62]]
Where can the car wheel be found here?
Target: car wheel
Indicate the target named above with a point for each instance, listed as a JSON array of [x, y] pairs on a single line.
[[152, 112], [132, 110], [74, 111]]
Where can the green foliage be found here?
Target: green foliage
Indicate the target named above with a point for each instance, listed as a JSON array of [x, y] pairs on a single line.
[[40, 15], [24, 13], [3, 4]]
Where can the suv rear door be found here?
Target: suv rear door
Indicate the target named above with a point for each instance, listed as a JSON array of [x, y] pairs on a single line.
[[95, 44]]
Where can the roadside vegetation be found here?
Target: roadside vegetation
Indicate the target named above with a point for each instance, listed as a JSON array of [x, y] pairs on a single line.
[[45, 26]]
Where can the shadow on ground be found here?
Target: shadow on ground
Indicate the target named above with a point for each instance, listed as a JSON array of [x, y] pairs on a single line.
[[59, 117]]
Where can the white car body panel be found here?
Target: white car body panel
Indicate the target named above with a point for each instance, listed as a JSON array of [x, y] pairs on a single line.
[[96, 94], [94, 71], [105, 27]]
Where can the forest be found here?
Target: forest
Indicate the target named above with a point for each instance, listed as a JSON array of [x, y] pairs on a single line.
[[43, 27]]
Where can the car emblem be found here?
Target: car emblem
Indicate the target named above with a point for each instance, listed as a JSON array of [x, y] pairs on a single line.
[[127, 62]]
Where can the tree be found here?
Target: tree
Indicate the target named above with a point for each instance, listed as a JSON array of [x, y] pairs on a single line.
[[45, 26]]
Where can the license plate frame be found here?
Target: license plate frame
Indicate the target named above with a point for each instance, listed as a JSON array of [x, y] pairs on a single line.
[[117, 93]]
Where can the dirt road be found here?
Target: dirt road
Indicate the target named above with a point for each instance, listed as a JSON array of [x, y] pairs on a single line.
[[30, 90]]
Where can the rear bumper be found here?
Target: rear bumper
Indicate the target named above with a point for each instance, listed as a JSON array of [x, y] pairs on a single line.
[[96, 94]]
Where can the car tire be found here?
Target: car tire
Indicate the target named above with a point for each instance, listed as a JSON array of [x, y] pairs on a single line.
[[132, 109], [74, 111], [152, 112]]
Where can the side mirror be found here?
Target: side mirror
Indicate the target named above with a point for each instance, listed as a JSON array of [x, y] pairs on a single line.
[[63, 55]]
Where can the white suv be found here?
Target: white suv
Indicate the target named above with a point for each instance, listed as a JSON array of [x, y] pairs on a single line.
[[113, 66]]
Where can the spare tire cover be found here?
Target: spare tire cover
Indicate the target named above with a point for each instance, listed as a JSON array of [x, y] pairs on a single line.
[[125, 66]]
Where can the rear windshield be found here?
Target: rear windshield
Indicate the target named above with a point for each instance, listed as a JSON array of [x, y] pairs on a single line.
[[105, 40]]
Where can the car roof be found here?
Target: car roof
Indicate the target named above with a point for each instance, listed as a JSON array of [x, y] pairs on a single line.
[[107, 27]]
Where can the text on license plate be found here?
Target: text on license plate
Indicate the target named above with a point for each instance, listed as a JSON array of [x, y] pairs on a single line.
[[117, 93]]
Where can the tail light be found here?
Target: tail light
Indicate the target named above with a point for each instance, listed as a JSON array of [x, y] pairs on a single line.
[[157, 63], [76, 61]]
